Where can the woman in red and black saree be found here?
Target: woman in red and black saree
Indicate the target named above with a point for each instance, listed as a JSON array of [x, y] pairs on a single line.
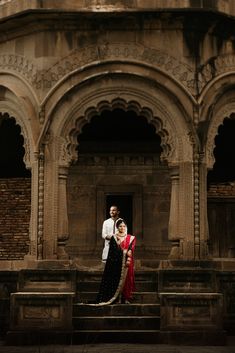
[[118, 280]]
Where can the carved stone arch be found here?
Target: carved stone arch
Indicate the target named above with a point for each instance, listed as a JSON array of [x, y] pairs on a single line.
[[15, 113], [167, 120], [137, 53], [214, 93], [217, 103], [17, 93], [217, 119], [129, 73], [168, 145], [66, 116]]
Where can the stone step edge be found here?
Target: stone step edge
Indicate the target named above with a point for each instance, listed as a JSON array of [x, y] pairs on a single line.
[[115, 331], [118, 316], [134, 293], [117, 305]]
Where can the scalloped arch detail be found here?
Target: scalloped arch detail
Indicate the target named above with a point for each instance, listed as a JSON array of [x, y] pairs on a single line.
[[7, 113], [216, 121], [68, 152]]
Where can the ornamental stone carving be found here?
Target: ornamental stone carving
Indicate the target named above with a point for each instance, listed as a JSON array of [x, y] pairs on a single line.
[[47, 78], [20, 64], [216, 67]]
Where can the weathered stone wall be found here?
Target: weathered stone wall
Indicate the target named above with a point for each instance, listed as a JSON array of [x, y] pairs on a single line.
[[56, 60], [85, 223], [15, 198]]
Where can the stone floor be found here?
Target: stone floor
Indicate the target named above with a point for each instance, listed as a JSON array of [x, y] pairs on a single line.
[[118, 348]]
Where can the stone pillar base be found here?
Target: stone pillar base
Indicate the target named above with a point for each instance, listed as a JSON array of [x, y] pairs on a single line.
[[192, 318], [40, 317]]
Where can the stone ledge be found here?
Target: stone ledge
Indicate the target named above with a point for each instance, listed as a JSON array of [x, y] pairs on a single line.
[[187, 280], [14, 7], [57, 280]]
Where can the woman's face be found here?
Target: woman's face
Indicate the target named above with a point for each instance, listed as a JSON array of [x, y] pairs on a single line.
[[122, 228]]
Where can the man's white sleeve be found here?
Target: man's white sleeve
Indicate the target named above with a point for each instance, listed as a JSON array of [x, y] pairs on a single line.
[[105, 230]]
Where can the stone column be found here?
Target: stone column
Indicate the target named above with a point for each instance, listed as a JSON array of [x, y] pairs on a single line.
[[173, 227], [62, 214], [40, 204], [204, 229], [33, 226], [186, 209]]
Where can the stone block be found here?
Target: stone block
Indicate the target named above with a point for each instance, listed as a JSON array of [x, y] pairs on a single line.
[[40, 311], [191, 311]]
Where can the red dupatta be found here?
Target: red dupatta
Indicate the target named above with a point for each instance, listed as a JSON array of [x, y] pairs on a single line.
[[129, 286]]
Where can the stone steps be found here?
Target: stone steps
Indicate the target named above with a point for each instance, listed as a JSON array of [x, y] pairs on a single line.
[[93, 286], [116, 322], [135, 322], [116, 336], [117, 309], [138, 297]]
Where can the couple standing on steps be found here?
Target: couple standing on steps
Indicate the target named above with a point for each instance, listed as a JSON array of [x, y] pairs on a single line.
[[118, 281]]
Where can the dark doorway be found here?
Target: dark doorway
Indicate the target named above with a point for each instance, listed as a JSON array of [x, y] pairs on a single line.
[[125, 205]]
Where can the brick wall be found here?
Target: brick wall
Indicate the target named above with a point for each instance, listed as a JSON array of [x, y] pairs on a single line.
[[222, 190], [15, 200]]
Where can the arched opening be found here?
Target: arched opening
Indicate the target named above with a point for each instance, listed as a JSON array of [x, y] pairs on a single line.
[[15, 183], [119, 131], [224, 166], [221, 192], [118, 163], [11, 150]]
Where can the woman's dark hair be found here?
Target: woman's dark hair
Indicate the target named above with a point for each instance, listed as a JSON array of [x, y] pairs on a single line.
[[119, 221]]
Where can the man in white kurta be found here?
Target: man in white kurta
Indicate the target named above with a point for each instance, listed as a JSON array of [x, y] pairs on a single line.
[[109, 229]]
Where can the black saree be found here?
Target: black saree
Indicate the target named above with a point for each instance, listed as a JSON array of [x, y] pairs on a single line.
[[113, 275]]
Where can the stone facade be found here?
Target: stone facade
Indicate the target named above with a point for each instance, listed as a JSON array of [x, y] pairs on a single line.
[[65, 64]]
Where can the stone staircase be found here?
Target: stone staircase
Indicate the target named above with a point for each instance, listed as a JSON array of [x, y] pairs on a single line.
[[135, 322], [177, 303]]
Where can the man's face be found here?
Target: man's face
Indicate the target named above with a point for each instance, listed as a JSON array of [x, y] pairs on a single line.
[[113, 212]]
